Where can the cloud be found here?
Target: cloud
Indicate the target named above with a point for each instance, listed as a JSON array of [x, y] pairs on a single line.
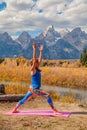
[[25, 15]]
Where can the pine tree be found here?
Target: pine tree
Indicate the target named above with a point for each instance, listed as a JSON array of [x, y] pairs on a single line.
[[83, 58]]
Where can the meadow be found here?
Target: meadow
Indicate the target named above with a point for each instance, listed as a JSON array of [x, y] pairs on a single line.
[[15, 74], [68, 74]]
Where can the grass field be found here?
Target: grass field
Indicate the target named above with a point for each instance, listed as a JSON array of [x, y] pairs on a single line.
[[17, 71], [54, 75]]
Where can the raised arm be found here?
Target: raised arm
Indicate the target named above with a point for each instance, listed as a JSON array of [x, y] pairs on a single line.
[[34, 50], [41, 51], [34, 57]]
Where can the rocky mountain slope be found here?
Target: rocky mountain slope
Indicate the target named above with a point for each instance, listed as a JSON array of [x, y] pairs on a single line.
[[57, 45]]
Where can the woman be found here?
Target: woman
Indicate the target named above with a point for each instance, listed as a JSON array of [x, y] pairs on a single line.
[[36, 82]]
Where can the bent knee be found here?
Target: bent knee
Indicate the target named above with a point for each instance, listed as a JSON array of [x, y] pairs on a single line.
[[21, 102], [47, 95]]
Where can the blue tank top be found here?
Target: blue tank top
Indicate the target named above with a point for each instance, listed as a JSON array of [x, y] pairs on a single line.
[[36, 80]]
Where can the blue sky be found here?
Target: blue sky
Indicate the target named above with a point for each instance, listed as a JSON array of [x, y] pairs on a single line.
[[35, 16], [32, 33], [2, 5]]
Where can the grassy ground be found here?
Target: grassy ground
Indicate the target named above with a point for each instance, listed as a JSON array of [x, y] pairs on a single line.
[[77, 120], [72, 77]]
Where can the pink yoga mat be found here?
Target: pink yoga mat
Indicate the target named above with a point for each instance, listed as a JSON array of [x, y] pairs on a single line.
[[40, 113]]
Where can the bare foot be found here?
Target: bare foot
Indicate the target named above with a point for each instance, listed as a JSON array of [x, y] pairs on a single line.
[[56, 112], [15, 111]]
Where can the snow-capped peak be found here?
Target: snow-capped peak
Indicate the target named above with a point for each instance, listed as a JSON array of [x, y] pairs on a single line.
[[50, 28], [50, 31], [64, 32]]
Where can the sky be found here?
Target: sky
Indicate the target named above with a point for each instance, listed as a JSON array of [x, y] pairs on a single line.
[[35, 16]]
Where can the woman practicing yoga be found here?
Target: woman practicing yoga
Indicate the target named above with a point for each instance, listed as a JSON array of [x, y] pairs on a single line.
[[36, 81]]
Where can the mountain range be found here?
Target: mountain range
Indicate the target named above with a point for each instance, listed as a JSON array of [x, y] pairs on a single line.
[[64, 44]]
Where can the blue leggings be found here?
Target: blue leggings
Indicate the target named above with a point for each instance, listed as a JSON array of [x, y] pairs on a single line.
[[39, 92]]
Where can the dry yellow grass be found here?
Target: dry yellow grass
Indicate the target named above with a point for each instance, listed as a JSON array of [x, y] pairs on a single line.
[[66, 77], [57, 76], [9, 71]]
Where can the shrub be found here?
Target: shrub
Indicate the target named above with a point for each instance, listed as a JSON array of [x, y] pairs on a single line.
[[1, 60], [45, 63], [54, 95], [15, 89], [68, 99]]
